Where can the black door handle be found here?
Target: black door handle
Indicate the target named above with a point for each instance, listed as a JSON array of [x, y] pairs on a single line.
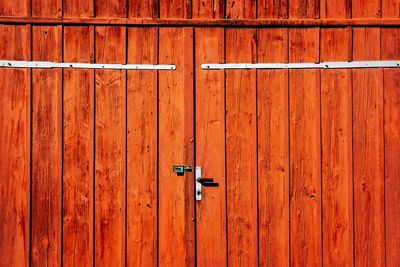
[[208, 182]]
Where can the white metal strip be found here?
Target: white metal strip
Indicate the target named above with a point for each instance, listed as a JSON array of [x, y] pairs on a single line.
[[321, 65], [49, 65]]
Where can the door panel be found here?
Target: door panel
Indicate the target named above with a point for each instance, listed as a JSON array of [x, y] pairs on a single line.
[[241, 150], [210, 148], [176, 147]]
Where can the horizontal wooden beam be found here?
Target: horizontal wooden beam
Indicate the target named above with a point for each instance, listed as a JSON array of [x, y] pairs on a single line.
[[202, 22]]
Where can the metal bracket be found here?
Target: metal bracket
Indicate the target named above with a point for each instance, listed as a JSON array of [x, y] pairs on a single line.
[[65, 65], [320, 65], [181, 169]]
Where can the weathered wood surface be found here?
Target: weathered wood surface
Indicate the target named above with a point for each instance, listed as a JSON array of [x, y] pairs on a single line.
[[46, 149], [210, 147], [305, 151], [368, 149], [78, 148], [241, 150], [110, 149], [176, 217], [273, 150], [204, 9], [337, 165], [142, 149], [15, 132]]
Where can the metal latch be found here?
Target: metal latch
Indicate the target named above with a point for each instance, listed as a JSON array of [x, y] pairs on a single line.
[[200, 181], [181, 169]]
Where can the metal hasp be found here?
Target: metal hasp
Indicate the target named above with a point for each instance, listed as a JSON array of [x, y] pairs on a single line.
[[200, 181], [181, 169], [320, 65], [75, 65]]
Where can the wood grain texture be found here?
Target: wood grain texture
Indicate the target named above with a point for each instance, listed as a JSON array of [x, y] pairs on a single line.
[[142, 149], [390, 41], [78, 125], [390, 8], [272, 9], [78, 8], [305, 151], [368, 145], [304, 9], [337, 171], [15, 8], [241, 9], [273, 150], [14, 148], [47, 8], [46, 148], [208, 9], [366, 8], [143, 8], [110, 150], [210, 148], [176, 147], [335, 9], [175, 8], [110, 8], [241, 149]]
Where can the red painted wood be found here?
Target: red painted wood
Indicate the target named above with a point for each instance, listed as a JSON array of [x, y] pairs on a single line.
[[110, 148], [273, 150], [142, 149], [241, 9], [304, 9], [46, 148], [368, 145], [272, 9], [210, 148], [305, 151], [78, 126], [14, 148], [15, 8], [390, 41], [337, 170], [208, 9], [176, 147], [241, 149]]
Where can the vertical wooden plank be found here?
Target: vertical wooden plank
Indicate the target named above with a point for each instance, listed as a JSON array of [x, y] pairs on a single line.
[[46, 148], [336, 9], [176, 147], [110, 148], [46, 8], [241, 9], [304, 9], [143, 9], [390, 40], [366, 8], [110, 8], [142, 149], [208, 9], [305, 151], [241, 149], [15, 8], [210, 147], [391, 8], [273, 150], [78, 8], [272, 9], [368, 145], [78, 176], [175, 9], [14, 148], [337, 171]]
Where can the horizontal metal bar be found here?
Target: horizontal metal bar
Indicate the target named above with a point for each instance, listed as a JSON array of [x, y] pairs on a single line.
[[49, 65], [321, 65]]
